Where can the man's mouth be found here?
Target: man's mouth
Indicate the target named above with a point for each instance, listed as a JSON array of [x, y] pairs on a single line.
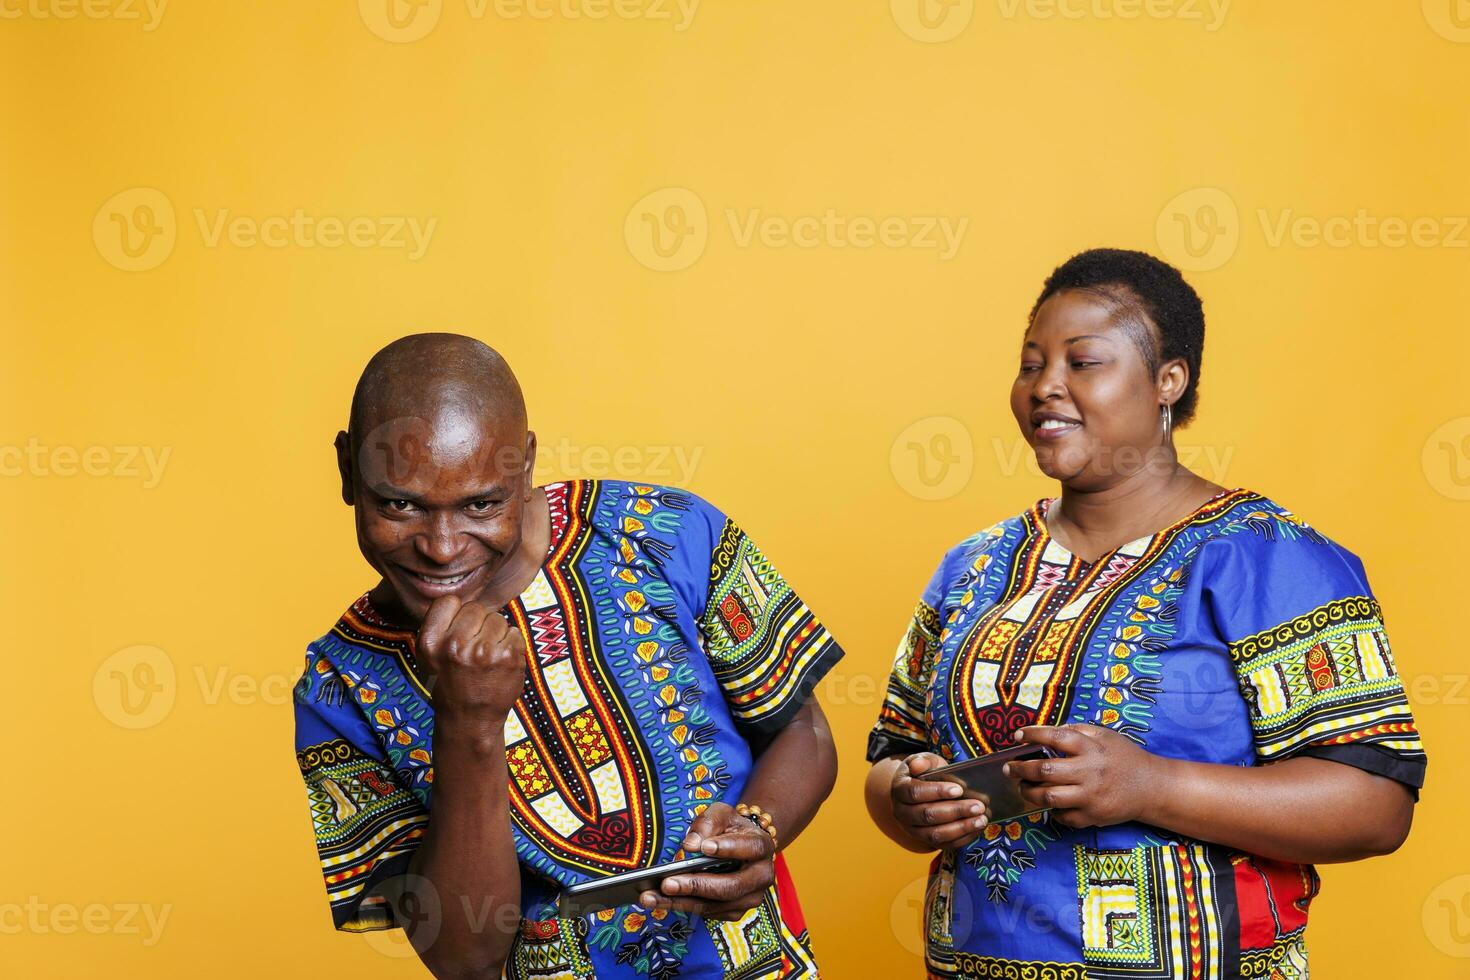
[[441, 583]]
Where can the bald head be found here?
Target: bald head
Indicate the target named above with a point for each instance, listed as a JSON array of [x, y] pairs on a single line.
[[443, 378]]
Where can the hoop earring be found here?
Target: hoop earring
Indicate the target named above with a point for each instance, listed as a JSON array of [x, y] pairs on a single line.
[[1166, 422]]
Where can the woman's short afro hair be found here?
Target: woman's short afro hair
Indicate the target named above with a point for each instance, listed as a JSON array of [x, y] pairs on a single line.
[[1150, 292]]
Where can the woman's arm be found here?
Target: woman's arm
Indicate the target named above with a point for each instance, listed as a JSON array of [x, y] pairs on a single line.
[[1301, 810]]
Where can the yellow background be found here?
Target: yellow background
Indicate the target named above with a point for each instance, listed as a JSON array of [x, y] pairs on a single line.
[[1334, 376]]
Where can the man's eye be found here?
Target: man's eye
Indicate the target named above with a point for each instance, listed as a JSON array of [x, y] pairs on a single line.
[[398, 506], [482, 506]]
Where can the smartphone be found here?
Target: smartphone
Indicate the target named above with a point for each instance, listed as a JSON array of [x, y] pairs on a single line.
[[624, 889], [983, 780]]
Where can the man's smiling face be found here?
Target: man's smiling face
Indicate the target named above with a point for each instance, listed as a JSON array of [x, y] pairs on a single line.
[[445, 511], [438, 468]]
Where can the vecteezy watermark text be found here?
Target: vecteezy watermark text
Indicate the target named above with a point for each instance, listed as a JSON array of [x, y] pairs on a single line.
[[37, 459]]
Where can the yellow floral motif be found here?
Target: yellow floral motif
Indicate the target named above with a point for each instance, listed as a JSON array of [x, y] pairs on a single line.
[[635, 600], [633, 921], [642, 626]]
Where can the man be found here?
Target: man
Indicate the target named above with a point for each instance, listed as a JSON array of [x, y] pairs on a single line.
[[550, 685]]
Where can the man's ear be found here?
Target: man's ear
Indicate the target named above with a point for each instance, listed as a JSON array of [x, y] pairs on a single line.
[[344, 467], [530, 471]]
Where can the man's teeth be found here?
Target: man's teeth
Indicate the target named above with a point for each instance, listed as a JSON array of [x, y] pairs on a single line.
[[443, 579], [1056, 424]]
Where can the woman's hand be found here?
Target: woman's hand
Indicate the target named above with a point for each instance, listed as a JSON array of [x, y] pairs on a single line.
[[931, 812], [720, 832], [1103, 778]]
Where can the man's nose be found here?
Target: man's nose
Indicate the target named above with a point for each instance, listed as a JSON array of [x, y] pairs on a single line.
[[439, 543]]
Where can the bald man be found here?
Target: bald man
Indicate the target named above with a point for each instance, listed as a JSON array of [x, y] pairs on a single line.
[[549, 686]]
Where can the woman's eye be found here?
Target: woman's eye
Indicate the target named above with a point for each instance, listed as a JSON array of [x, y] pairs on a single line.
[[1030, 368], [1084, 364]]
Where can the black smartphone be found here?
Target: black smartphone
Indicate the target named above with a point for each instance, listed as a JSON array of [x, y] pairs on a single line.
[[983, 780], [624, 889]]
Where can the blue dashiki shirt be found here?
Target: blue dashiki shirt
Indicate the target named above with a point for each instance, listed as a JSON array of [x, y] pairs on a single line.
[[1238, 635], [659, 642]]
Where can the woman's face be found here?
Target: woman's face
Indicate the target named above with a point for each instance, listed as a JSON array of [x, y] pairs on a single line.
[[1083, 396]]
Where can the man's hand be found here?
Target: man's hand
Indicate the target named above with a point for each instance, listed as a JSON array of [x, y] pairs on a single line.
[[931, 812], [1104, 778], [720, 832], [477, 660]]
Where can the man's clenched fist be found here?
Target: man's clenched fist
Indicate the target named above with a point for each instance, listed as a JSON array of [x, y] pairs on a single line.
[[478, 662]]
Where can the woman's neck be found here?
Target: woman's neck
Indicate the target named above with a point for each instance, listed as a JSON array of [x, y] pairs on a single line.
[[1094, 522]]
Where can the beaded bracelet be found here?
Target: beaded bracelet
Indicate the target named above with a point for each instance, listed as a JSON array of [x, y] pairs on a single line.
[[761, 818]]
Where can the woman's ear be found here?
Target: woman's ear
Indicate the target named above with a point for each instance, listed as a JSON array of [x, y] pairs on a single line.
[[1173, 380]]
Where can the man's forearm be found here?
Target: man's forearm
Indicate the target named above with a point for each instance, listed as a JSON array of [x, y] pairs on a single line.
[[467, 884], [795, 772]]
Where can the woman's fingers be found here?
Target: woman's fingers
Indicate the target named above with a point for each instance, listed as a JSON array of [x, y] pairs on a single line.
[[1045, 771], [1054, 796], [1064, 739], [923, 762], [953, 834], [909, 790], [934, 814]]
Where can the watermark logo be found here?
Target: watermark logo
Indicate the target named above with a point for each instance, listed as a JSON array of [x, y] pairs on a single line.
[[136, 687], [932, 21], [40, 918], [1446, 917], [1199, 696], [1446, 459], [933, 458], [405, 21], [1199, 230], [36, 459], [400, 21], [135, 230], [1210, 14], [148, 13], [667, 230], [567, 460], [1450, 19]]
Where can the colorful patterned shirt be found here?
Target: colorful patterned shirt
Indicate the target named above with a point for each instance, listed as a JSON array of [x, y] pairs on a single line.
[[1238, 635], [660, 643]]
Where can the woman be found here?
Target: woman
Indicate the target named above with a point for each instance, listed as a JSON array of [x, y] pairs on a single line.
[[1209, 675]]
